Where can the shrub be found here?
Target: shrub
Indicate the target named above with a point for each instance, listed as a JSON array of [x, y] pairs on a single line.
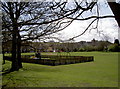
[[82, 49], [89, 48], [114, 48]]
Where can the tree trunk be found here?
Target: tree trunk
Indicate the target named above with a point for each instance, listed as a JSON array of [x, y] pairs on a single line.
[[115, 7], [15, 66], [19, 50], [16, 54], [3, 56]]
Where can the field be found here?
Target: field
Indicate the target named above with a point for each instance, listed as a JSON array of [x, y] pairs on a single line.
[[103, 72]]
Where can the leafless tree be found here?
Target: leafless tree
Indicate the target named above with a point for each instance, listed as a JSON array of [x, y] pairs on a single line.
[[36, 20]]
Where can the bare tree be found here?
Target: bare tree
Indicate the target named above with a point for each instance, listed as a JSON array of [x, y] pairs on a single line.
[[36, 20]]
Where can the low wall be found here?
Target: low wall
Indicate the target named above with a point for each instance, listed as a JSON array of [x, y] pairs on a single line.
[[56, 60]]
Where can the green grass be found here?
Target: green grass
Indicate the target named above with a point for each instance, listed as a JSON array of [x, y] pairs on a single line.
[[103, 72]]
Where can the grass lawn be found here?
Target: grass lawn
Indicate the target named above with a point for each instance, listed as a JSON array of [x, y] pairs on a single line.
[[103, 72]]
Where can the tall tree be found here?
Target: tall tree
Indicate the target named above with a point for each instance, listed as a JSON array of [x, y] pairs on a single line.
[[36, 20], [116, 42]]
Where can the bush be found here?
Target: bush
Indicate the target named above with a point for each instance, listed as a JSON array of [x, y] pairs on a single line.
[[114, 48], [89, 48], [81, 49], [75, 50]]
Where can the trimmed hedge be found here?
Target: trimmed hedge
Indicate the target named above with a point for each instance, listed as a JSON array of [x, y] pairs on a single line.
[[56, 60]]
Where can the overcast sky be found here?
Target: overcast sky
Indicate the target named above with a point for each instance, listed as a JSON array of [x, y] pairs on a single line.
[[107, 29]]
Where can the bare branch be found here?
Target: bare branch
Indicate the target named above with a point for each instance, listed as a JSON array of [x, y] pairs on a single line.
[[91, 17], [83, 31]]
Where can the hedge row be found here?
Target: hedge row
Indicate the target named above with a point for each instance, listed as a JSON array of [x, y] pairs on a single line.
[[54, 60]]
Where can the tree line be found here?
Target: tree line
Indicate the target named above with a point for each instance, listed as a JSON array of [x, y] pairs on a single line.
[[81, 46]]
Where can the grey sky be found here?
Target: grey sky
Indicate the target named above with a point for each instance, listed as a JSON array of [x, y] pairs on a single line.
[[107, 29]]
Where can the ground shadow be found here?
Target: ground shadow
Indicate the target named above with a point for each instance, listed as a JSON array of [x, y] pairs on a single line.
[[7, 71]]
